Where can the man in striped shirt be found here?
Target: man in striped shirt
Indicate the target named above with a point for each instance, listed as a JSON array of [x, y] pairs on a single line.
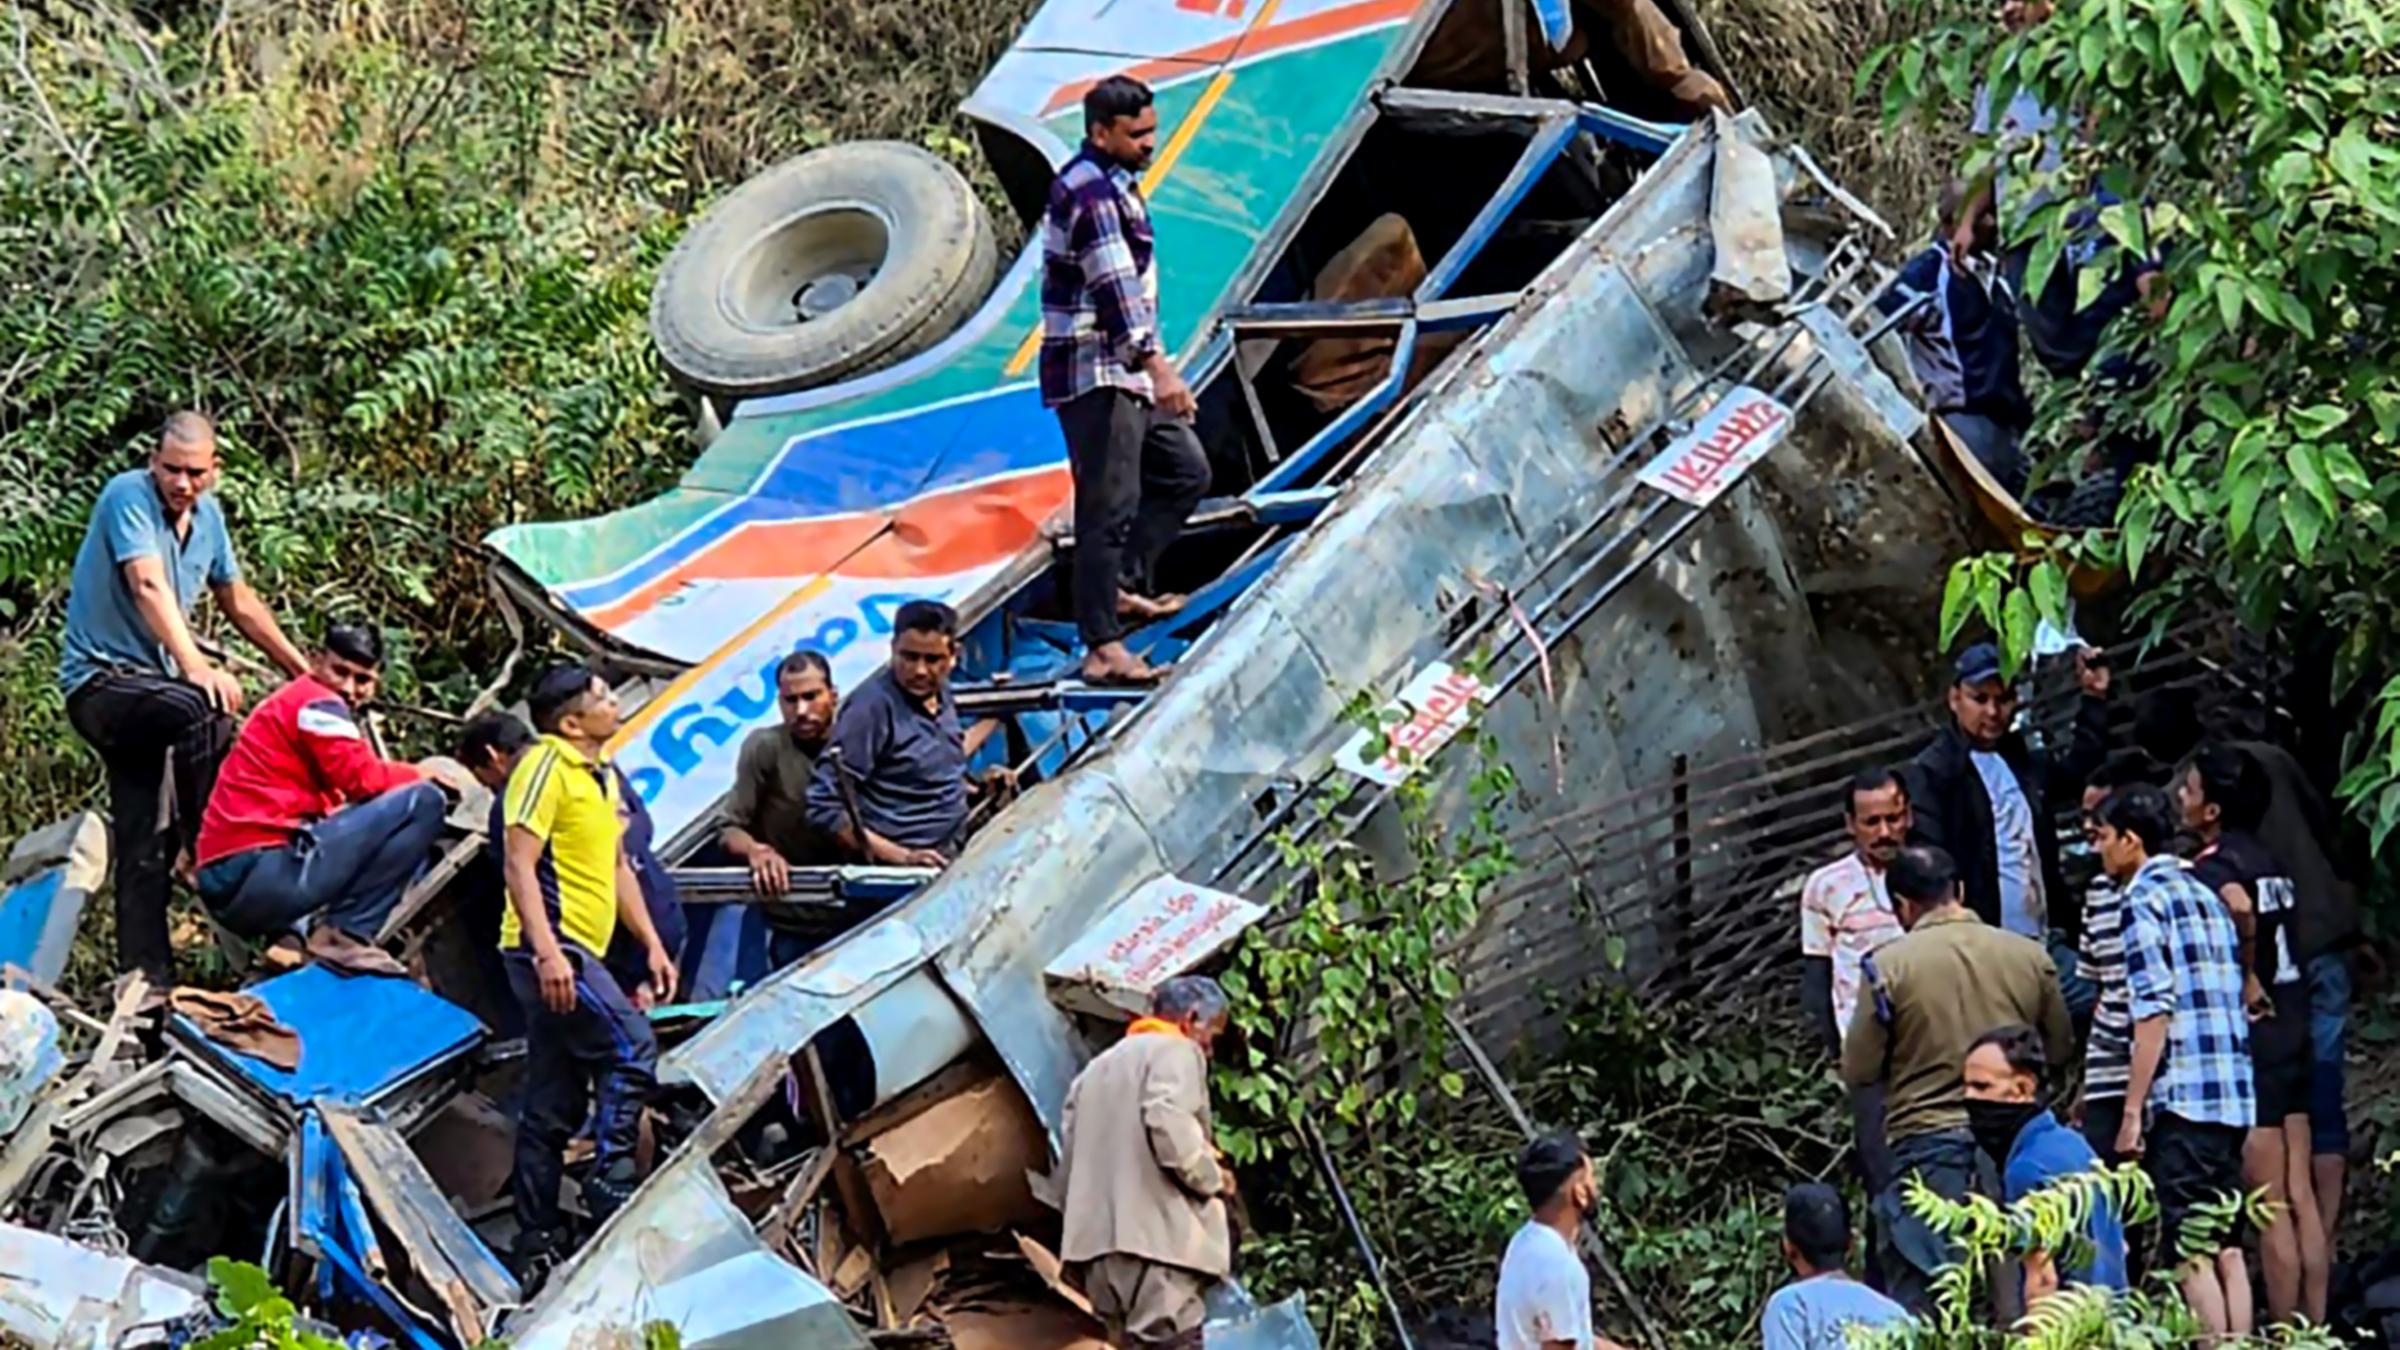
[[1126, 413], [2100, 959]]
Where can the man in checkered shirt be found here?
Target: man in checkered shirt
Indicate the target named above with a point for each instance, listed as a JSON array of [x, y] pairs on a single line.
[[2189, 1098], [1127, 415]]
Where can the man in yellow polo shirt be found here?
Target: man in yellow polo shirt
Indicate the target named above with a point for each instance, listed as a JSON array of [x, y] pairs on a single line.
[[569, 886]]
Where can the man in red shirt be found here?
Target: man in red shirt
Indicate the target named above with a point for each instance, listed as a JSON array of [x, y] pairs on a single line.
[[307, 819]]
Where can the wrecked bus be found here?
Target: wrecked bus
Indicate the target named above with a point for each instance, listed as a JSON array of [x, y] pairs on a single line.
[[1535, 398]]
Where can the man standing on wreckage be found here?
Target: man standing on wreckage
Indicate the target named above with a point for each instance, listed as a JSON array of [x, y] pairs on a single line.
[[1142, 1193], [569, 886]]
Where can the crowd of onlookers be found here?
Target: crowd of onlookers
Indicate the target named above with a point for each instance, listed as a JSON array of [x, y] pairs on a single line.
[[2197, 979], [2004, 1020]]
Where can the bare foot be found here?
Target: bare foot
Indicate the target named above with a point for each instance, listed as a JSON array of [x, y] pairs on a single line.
[[1131, 606], [1111, 664]]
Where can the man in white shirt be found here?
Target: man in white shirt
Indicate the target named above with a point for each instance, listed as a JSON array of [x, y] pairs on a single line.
[[1545, 1297], [1846, 913]]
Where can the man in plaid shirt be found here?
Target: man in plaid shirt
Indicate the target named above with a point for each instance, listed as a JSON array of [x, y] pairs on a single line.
[[1127, 415], [2191, 1047]]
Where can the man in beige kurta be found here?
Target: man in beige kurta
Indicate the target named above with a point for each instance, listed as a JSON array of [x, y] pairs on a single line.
[[1141, 1190]]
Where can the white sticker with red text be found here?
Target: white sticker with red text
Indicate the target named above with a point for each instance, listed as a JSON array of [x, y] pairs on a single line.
[[1717, 451], [1428, 713], [1163, 929]]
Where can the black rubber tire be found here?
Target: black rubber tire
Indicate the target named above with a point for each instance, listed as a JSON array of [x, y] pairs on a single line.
[[716, 314]]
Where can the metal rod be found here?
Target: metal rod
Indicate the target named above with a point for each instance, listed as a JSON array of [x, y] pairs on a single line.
[[1358, 1230]]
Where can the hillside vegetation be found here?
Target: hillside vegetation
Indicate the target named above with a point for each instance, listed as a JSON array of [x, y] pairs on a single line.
[[402, 250]]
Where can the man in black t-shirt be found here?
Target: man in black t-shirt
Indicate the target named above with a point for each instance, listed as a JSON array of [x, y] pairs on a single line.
[[2223, 794]]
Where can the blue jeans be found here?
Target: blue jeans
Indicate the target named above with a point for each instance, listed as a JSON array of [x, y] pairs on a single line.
[[1908, 1250], [353, 865], [2328, 977], [2081, 995], [602, 1041]]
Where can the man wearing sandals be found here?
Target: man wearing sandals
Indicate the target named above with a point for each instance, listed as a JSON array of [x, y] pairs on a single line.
[[1127, 415]]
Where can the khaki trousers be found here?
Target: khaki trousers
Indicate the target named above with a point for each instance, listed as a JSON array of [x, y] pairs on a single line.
[[1145, 1305]]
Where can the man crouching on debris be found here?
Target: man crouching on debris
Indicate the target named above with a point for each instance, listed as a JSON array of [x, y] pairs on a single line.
[[307, 820], [1140, 1186], [569, 885]]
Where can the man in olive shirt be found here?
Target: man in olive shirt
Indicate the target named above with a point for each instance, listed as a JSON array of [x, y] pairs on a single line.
[[766, 816], [1949, 980]]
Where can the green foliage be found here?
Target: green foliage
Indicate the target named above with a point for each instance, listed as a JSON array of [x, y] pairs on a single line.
[[2249, 147], [1695, 1125], [1339, 1000], [1993, 1237], [256, 1312], [402, 252]]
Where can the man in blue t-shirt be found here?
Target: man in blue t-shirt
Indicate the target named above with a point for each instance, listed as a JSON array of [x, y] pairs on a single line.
[[138, 688], [1817, 1310], [2003, 1077]]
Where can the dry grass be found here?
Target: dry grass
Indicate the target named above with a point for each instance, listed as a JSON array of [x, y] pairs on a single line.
[[1796, 59]]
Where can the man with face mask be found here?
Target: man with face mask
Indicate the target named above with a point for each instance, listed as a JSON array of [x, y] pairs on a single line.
[[1126, 414], [1927, 997], [1986, 798], [2003, 1078], [308, 820], [1142, 1192], [1544, 1301]]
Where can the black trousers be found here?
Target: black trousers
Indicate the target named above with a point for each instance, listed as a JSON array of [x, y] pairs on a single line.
[[1138, 474], [602, 1041], [161, 741]]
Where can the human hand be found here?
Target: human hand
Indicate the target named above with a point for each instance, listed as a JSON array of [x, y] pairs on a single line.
[[1174, 396], [223, 690], [2255, 1000], [923, 857], [447, 776], [556, 975], [2151, 287], [2092, 672], [662, 973], [2129, 1135], [770, 875], [1962, 240]]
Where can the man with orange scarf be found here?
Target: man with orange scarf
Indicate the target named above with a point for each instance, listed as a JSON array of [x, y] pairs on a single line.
[[1141, 1188]]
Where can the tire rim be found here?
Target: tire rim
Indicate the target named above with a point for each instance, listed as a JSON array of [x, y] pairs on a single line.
[[805, 267]]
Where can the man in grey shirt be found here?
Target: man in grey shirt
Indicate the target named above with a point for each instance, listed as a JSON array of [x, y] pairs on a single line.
[[898, 741]]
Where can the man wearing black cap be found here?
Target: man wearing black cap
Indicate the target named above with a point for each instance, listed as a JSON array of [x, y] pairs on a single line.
[[1981, 794]]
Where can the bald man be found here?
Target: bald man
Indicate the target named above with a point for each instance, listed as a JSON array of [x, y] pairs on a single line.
[[138, 688]]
